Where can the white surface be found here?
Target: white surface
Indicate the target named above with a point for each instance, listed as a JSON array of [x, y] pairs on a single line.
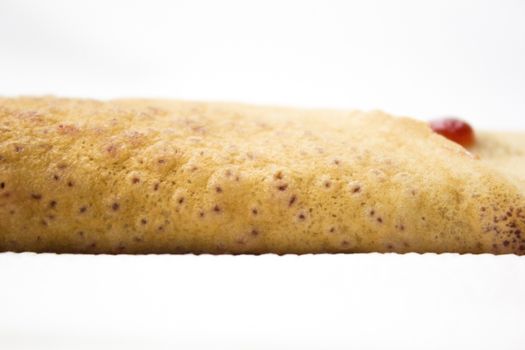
[[267, 302], [416, 58]]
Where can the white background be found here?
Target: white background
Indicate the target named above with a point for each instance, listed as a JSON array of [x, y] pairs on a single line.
[[416, 58]]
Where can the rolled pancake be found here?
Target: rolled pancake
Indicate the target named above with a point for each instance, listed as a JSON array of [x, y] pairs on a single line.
[[151, 176]]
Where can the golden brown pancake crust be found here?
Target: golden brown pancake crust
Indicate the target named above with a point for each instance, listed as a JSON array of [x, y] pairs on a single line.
[[151, 176]]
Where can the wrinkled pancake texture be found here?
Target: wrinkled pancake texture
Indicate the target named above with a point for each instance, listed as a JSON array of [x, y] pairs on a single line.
[[154, 176]]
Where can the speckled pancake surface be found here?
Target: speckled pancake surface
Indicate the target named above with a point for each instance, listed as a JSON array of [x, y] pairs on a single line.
[[149, 176]]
